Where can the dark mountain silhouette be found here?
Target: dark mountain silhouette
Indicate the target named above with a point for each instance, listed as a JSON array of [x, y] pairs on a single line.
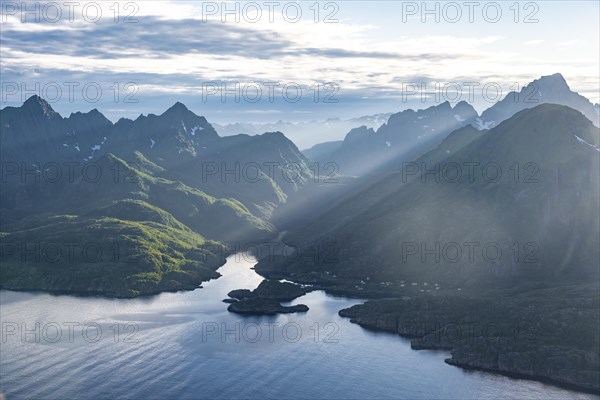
[[547, 89]]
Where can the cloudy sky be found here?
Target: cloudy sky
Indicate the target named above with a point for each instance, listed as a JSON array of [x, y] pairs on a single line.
[[338, 59]]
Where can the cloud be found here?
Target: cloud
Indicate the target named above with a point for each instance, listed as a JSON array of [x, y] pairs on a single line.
[[151, 36], [170, 53], [533, 42], [573, 42]]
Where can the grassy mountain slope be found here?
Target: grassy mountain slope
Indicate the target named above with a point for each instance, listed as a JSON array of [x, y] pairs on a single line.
[[109, 256]]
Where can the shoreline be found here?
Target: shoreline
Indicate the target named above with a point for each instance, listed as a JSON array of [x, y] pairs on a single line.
[[379, 321], [346, 292]]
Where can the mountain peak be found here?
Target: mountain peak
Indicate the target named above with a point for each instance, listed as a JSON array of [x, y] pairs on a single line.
[[435, 108], [445, 105], [38, 105], [461, 104], [277, 134], [93, 116], [178, 108], [555, 80], [546, 89], [359, 133], [465, 111]]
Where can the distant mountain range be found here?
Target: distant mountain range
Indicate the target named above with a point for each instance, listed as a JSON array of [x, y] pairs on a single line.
[[405, 135], [410, 133], [305, 133]]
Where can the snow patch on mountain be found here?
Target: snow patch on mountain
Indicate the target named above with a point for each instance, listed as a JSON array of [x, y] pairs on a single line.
[[194, 129], [94, 148], [481, 124], [589, 144]]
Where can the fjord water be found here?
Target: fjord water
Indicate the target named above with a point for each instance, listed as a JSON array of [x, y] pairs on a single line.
[[186, 347]]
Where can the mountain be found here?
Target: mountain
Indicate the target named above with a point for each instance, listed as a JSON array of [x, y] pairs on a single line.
[[305, 133], [547, 89], [514, 251], [370, 156], [454, 142], [221, 219], [405, 135], [167, 139], [35, 133], [548, 191], [261, 171], [409, 134], [176, 145], [142, 182], [321, 151]]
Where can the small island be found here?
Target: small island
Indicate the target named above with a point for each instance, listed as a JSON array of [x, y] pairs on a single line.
[[272, 289], [263, 306], [264, 300]]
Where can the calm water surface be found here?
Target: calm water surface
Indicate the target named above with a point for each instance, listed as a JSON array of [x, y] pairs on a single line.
[[187, 345]]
